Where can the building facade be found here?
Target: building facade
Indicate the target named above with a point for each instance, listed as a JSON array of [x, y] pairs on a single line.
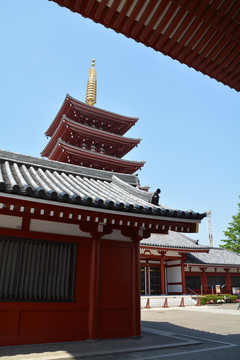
[[174, 264], [69, 250]]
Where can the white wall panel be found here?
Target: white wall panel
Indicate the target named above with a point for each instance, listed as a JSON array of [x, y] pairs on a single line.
[[54, 227], [174, 274], [174, 288], [10, 222]]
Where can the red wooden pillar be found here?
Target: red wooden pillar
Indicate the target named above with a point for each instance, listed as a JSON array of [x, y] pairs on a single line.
[[183, 274], [136, 289], [94, 288], [204, 281], [148, 290], [163, 291], [228, 281], [162, 272]]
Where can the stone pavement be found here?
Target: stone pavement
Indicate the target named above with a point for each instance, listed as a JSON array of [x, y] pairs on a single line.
[[183, 333]]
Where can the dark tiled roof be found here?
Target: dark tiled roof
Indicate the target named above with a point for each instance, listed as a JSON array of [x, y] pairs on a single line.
[[172, 240], [216, 256], [68, 168], [46, 179], [175, 240]]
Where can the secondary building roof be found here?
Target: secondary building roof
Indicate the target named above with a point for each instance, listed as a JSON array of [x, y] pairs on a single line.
[[216, 256], [172, 240], [202, 34]]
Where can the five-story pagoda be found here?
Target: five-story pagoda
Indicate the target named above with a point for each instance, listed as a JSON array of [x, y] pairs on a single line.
[[84, 135]]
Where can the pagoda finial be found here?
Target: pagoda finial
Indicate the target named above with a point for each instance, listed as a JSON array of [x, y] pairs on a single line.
[[91, 94]]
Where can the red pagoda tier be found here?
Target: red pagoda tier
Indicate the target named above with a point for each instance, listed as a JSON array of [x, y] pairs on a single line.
[[92, 116], [84, 135]]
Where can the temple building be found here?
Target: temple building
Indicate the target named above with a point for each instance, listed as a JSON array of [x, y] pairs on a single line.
[[70, 231], [175, 264]]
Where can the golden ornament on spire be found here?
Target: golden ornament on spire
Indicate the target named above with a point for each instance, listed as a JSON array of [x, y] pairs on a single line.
[[91, 94]]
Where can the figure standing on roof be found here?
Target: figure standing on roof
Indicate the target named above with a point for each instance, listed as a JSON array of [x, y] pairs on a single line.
[[155, 197]]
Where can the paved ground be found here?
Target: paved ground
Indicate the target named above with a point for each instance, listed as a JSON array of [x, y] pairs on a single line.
[[209, 332]]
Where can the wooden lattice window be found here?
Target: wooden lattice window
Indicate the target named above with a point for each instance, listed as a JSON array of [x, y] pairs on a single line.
[[235, 280], [36, 270], [216, 280], [193, 282]]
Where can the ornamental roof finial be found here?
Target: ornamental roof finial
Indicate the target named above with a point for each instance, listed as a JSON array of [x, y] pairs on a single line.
[[91, 94]]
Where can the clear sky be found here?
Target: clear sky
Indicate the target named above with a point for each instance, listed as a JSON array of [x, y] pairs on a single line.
[[189, 123]]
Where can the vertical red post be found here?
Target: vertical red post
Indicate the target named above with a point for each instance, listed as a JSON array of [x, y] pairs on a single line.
[[148, 290], [204, 281], [183, 275], [162, 272], [94, 288], [228, 281], [136, 289]]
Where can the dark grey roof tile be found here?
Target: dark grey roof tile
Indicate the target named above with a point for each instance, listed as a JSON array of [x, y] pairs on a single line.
[[172, 240], [216, 256], [31, 178]]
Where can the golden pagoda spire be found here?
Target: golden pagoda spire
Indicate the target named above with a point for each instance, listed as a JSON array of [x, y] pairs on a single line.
[[91, 94]]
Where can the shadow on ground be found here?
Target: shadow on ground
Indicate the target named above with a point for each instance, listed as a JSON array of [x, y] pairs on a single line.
[[160, 339]]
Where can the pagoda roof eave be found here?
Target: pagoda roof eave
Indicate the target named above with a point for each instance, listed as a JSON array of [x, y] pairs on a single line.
[[68, 124], [103, 159], [90, 111]]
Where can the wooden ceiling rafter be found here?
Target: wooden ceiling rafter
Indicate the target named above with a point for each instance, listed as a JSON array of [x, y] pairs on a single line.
[[202, 34]]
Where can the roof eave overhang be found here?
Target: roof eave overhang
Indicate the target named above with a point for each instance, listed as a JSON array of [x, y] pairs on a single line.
[[91, 111], [203, 35], [180, 249], [102, 159], [149, 223], [211, 265], [66, 125]]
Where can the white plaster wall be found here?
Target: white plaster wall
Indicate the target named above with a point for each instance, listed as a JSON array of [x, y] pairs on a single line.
[[174, 288], [210, 270], [54, 227], [174, 262], [173, 253], [174, 274], [116, 235], [11, 222], [233, 270], [195, 268]]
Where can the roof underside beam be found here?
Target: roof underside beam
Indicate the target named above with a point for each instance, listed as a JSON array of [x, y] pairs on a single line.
[[201, 34]]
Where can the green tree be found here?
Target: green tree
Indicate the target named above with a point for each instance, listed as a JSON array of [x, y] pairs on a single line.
[[232, 234]]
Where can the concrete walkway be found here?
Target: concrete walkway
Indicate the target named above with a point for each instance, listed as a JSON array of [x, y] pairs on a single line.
[[183, 333]]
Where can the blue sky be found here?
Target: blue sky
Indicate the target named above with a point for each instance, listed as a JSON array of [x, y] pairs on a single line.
[[189, 123]]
